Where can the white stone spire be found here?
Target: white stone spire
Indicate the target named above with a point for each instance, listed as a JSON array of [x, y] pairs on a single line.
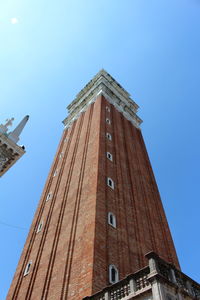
[[14, 135]]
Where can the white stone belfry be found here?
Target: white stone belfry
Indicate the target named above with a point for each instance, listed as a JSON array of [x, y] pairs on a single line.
[[103, 84]]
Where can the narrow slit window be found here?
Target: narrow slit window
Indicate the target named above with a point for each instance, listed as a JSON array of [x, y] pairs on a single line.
[[55, 173], [39, 227], [110, 183], [61, 155], [27, 269], [107, 109], [108, 121], [109, 156], [113, 274], [109, 136], [49, 196], [111, 219]]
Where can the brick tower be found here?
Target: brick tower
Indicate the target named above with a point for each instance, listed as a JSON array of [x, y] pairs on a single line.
[[100, 211]]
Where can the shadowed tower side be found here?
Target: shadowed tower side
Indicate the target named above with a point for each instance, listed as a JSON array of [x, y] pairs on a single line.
[[100, 211]]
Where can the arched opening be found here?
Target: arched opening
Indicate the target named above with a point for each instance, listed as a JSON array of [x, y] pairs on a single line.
[[113, 274]]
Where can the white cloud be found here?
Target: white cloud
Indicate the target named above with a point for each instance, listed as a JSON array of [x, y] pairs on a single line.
[[14, 21]]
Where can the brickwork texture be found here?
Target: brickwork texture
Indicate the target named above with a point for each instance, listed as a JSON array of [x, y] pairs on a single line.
[[70, 256]]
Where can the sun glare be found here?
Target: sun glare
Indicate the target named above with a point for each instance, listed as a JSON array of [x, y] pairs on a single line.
[[14, 21]]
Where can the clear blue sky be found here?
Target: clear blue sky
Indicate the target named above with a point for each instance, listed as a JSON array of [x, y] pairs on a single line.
[[50, 49]]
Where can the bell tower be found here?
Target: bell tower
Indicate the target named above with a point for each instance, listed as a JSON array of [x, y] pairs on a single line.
[[100, 211]]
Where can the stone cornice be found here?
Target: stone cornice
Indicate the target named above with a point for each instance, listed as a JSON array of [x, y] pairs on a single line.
[[106, 85]]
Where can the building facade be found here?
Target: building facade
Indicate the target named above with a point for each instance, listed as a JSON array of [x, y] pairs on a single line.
[[100, 212], [10, 151]]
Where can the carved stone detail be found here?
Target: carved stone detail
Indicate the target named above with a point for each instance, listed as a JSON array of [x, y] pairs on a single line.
[[9, 153]]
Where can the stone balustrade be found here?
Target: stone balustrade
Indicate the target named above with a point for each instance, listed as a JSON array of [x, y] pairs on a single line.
[[141, 281], [125, 287], [182, 281]]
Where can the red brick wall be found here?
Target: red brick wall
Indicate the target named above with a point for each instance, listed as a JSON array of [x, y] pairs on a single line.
[[71, 254], [62, 253], [135, 201]]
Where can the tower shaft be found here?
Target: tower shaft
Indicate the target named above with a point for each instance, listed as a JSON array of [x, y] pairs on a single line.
[[100, 211]]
